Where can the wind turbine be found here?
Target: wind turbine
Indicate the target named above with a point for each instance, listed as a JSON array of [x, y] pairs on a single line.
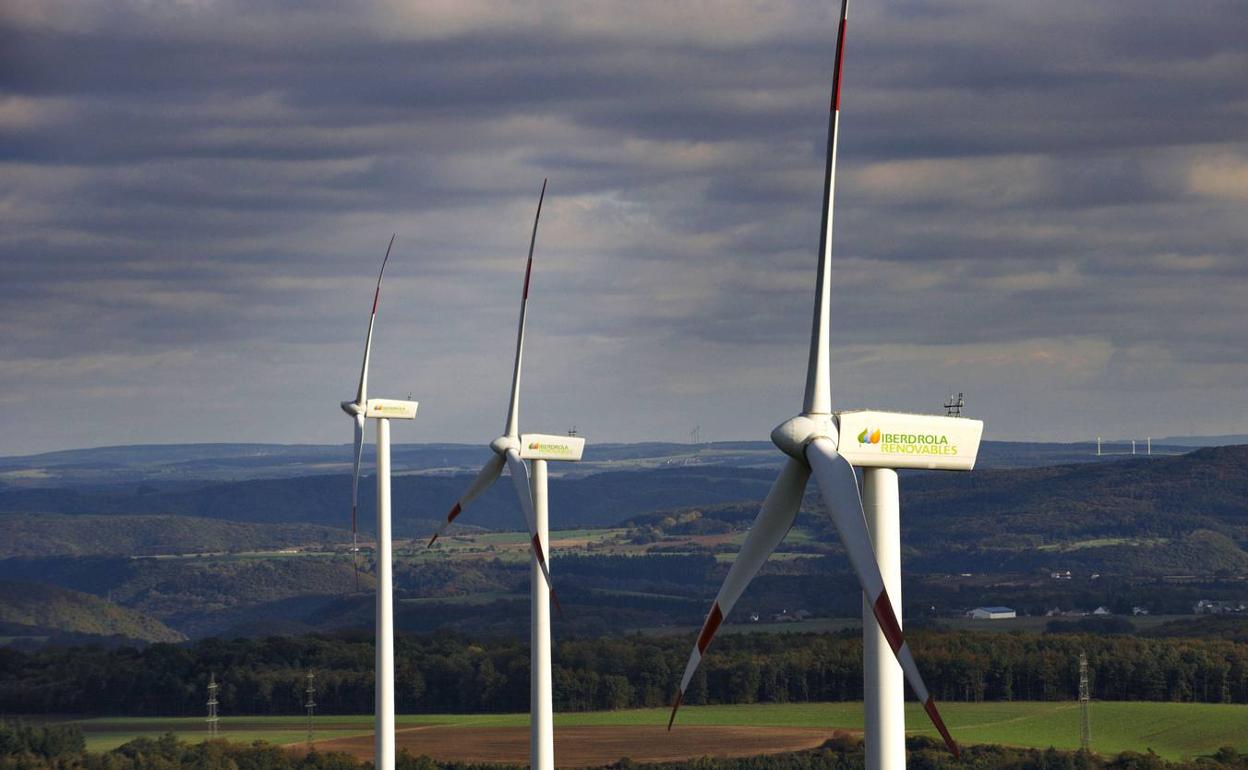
[[512, 449], [383, 410], [813, 441]]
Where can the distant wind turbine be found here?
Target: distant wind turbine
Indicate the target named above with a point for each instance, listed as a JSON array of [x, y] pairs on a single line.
[[383, 410], [512, 449]]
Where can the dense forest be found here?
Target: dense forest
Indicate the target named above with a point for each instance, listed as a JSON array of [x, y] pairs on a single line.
[[58, 748], [450, 673]]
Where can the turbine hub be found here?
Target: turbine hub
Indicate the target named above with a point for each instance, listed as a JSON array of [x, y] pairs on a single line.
[[792, 435], [501, 444], [351, 408]]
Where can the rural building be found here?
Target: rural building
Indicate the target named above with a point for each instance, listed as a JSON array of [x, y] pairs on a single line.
[[992, 613]]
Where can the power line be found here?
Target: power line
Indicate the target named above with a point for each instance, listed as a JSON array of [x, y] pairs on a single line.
[[310, 705], [1085, 726], [212, 707]]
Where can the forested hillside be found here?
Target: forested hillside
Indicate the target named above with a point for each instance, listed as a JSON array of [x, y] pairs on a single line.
[[50, 534], [1133, 523], [420, 502], [1162, 497], [29, 609]]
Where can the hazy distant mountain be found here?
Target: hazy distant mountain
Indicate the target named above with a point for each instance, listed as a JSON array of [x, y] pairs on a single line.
[[163, 466], [1227, 440]]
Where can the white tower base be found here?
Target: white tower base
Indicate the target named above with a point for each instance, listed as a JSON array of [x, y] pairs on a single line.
[[883, 680], [541, 708], [383, 747]]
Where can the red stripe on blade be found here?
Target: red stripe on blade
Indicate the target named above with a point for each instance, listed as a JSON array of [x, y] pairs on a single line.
[[675, 705], [836, 76], [537, 549], [454, 512], [376, 296], [528, 270], [888, 621], [930, 707], [710, 627]]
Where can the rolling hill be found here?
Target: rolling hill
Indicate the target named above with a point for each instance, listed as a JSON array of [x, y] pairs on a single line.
[[37, 610], [52, 534]]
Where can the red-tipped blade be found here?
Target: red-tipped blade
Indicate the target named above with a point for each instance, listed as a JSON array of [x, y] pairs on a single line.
[[485, 477], [680, 696], [773, 523], [512, 427], [839, 487], [361, 393], [520, 480], [929, 706]]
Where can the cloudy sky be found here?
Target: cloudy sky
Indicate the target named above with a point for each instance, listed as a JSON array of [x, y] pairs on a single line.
[[1040, 204]]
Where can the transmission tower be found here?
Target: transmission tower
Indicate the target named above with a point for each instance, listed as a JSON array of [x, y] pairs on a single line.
[[954, 405], [1085, 726], [310, 705], [212, 706], [695, 435]]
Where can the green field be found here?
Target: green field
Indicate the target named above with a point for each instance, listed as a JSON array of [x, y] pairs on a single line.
[[1173, 730]]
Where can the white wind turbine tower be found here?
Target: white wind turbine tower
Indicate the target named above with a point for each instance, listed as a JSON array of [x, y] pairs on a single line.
[[512, 449], [822, 442], [383, 410]]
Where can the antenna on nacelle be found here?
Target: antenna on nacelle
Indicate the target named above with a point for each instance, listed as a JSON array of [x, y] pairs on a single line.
[[954, 405]]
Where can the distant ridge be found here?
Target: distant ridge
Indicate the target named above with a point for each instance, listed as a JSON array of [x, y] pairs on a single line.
[[162, 465], [1227, 440]]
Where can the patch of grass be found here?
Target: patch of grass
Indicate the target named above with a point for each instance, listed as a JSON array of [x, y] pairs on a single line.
[[1105, 542]]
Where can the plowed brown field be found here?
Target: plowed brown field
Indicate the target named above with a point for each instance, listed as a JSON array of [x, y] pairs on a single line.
[[589, 746]]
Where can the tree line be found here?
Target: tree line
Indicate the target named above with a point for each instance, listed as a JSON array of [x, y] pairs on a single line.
[[446, 672]]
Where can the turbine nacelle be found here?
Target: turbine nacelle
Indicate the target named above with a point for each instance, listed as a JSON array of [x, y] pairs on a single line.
[[793, 435], [501, 444]]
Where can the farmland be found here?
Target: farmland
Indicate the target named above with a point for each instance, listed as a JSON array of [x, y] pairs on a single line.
[[1172, 730]]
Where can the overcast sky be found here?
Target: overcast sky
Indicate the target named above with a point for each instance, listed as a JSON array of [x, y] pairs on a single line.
[[1044, 205]]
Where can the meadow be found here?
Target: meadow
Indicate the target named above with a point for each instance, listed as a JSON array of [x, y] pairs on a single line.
[[1172, 730]]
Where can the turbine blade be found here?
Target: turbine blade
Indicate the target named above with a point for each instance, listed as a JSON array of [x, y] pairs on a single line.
[[839, 486], [355, 497], [520, 479], [769, 528], [482, 482], [361, 395], [513, 408], [818, 398]]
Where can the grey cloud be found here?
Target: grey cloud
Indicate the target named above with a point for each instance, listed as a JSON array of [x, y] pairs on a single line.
[[196, 201]]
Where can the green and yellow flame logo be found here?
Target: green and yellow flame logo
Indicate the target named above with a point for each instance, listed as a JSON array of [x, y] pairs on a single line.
[[867, 437]]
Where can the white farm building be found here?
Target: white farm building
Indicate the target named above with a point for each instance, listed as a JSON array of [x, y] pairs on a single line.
[[992, 613]]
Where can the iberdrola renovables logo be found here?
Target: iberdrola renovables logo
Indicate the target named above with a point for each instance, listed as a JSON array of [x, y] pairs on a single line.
[[868, 437]]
